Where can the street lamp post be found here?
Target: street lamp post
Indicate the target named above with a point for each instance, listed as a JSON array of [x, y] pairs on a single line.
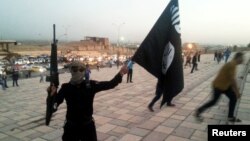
[[118, 31], [66, 31]]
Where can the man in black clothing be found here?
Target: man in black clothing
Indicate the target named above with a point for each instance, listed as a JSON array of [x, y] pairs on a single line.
[[79, 95], [194, 62], [15, 78], [158, 94]]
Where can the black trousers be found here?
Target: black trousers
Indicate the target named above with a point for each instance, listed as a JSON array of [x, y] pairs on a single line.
[[78, 132], [129, 75], [216, 95], [195, 65], [15, 82], [158, 94]]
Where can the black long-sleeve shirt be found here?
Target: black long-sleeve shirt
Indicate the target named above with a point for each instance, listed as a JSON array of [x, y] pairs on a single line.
[[80, 98]]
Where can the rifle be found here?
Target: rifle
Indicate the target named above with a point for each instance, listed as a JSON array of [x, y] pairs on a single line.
[[54, 79]]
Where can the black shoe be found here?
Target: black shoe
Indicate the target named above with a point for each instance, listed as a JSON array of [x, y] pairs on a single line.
[[198, 116], [150, 108], [233, 119]]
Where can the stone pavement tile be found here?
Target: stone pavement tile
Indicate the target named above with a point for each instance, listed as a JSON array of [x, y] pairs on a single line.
[[192, 125], [121, 111], [157, 119], [220, 116], [164, 114], [24, 122], [106, 128], [149, 124], [155, 136], [119, 122], [115, 134], [191, 104], [24, 134], [172, 123], [53, 135], [12, 132], [211, 121], [199, 133], [101, 120], [137, 119], [130, 137], [125, 117], [1, 125], [8, 127], [35, 135], [244, 116], [183, 132], [242, 105], [2, 135], [102, 136], [207, 115], [28, 126], [190, 108], [164, 129], [136, 113], [9, 121], [3, 119], [111, 138], [139, 131], [178, 117], [195, 138], [103, 112], [244, 110], [121, 130], [10, 139], [38, 139], [175, 138], [185, 99], [44, 129], [112, 115], [20, 117]]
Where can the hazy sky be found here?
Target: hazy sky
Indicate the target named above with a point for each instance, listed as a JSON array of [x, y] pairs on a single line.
[[202, 21]]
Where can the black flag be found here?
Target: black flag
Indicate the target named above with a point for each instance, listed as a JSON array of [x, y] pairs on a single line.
[[160, 52]]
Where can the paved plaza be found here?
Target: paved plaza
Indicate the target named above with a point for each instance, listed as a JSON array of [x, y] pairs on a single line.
[[121, 113]]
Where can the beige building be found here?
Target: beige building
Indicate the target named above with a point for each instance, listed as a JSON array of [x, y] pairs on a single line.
[[90, 44]]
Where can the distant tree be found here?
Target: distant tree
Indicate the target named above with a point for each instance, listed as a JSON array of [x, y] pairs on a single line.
[[248, 45], [235, 48]]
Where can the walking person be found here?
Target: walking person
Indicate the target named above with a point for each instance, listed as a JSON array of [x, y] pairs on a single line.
[[41, 77], [188, 60], [225, 82], [130, 71], [219, 57], [4, 77], [199, 56], [15, 77], [87, 73], [194, 62], [2, 82], [215, 55], [158, 94], [98, 66], [227, 53], [79, 96]]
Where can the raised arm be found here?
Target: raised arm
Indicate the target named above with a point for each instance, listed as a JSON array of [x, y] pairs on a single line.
[[105, 85]]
